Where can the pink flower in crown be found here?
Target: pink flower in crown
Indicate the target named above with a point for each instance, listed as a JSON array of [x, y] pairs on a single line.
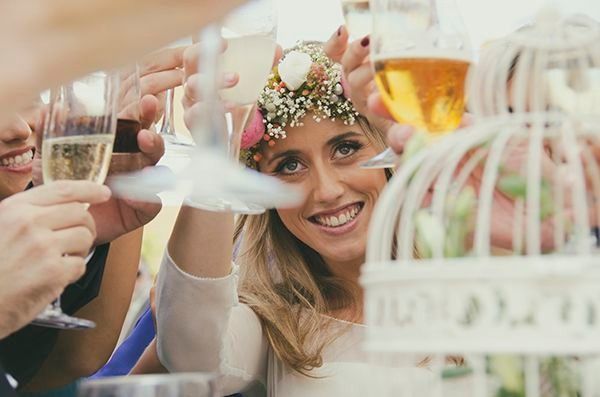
[[254, 131]]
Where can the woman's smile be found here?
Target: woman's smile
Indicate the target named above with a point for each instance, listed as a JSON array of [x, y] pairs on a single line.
[[18, 161], [338, 221]]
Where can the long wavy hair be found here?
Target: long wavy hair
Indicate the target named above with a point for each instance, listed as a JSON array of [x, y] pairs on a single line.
[[289, 286]]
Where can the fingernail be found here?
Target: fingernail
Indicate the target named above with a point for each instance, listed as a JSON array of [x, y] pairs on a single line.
[[365, 42], [339, 31]]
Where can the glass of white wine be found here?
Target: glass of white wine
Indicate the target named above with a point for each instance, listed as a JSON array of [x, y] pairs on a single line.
[[421, 54], [79, 133], [251, 27]]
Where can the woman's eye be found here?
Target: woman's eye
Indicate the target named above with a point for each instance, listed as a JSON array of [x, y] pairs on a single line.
[[289, 167], [346, 149]]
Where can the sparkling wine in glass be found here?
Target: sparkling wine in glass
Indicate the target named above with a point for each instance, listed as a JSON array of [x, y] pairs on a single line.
[[78, 139], [421, 54]]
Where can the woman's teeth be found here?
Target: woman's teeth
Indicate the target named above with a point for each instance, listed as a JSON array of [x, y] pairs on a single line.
[[336, 221], [18, 160]]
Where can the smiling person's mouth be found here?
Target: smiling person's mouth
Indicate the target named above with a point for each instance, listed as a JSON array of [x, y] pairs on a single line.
[[339, 218], [17, 161]]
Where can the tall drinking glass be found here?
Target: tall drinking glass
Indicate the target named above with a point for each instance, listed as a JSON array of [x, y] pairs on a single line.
[[250, 32], [421, 54], [79, 133]]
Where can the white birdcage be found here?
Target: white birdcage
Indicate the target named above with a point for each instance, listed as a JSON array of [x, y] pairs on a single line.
[[482, 248], [552, 64]]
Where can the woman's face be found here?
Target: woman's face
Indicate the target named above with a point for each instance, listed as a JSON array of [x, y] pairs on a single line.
[[323, 159], [17, 143]]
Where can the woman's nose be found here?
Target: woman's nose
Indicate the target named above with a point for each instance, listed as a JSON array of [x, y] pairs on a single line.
[[328, 185], [18, 130]]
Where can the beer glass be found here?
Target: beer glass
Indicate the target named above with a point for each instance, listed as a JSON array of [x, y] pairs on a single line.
[[421, 55]]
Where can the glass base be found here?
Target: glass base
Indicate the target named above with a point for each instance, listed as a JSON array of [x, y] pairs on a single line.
[[53, 318], [221, 205], [175, 140], [386, 159], [209, 178]]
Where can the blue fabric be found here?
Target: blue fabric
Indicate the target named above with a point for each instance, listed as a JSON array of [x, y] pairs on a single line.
[[126, 355]]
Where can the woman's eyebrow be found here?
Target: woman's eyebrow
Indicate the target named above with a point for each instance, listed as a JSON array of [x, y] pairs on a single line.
[[338, 138]]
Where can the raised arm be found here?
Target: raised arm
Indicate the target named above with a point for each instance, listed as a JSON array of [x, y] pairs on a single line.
[[201, 326]]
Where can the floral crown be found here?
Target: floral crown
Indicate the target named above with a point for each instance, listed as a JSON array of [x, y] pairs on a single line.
[[305, 80]]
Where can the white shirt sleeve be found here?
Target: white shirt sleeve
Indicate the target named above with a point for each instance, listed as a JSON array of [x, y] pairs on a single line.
[[202, 327]]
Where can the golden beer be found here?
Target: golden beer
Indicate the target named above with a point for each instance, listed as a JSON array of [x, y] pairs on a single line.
[[426, 92]]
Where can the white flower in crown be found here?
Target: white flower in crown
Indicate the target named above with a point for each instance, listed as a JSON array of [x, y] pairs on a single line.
[[294, 69]]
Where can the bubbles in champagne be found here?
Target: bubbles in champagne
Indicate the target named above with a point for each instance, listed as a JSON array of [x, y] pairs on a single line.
[[79, 157]]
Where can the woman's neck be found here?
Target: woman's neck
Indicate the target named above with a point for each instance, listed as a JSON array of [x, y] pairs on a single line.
[[349, 272], [346, 270]]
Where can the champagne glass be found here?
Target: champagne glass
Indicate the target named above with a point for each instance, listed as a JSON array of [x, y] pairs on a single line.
[[213, 180], [173, 142], [171, 385], [254, 27], [127, 155], [358, 17], [421, 54], [78, 137]]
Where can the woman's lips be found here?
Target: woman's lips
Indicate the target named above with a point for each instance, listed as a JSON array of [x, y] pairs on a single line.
[[341, 221], [17, 160]]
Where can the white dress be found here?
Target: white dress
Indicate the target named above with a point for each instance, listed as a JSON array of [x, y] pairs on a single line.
[[203, 327]]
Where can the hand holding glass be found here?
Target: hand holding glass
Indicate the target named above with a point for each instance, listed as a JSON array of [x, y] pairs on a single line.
[[78, 138]]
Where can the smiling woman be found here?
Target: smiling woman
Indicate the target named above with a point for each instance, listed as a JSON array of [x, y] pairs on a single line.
[[292, 326], [17, 143]]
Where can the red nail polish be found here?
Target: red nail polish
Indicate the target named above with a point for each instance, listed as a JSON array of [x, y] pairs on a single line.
[[365, 42]]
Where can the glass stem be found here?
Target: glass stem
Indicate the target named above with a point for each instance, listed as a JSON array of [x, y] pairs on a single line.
[[167, 127], [239, 118]]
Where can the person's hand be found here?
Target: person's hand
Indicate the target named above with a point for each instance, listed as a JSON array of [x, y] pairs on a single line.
[[359, 79], [120, 216], [191, 100], [47, 233], [158, 72]]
